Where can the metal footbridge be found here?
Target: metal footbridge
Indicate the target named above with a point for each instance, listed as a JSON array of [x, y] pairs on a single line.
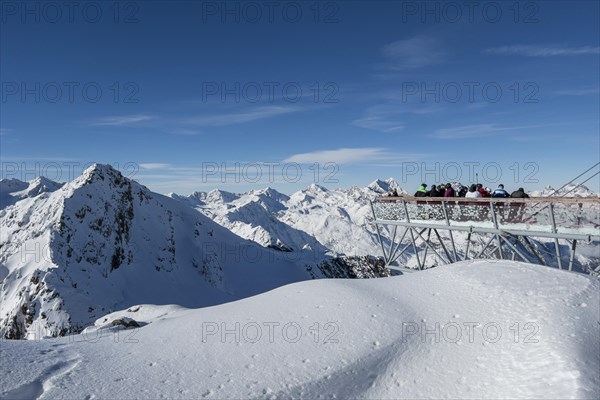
[[501, 228]]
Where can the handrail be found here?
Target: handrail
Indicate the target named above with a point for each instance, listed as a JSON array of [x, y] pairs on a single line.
[[577, 216], [563, 200]]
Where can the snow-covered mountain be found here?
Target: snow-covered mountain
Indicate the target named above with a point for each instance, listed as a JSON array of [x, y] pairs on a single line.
[[72, 253], [570, 190], [317, 224], [385, 187], [13, 190], [316, 221]]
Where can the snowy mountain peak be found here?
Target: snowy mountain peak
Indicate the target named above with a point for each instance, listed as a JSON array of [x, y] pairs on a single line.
[[570, 190], [222, 196], [577, 190], [391, 182], [42, 185], [316, 189], [193, 200], [199, 195], [43, 181], [271, 193], [111, 243], [382, 187], [13, 190], [12, 185], [98, 172]]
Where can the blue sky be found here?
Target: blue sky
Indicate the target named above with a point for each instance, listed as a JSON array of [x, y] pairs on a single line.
[[193, 95]]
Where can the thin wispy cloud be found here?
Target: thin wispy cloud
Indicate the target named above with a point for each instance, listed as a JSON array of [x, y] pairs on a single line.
[[122, 120], [379, 123], [340, 156], [241, 117], [185, 132], [389, 117], [477, 131], [154, 166], [564, 138], [408, 103], [37, 159], [577, 92], [465, 132], [416, 52], [543, 51], [535, 138]]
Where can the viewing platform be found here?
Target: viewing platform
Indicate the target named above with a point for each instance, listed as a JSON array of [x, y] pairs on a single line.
[[510, 221]]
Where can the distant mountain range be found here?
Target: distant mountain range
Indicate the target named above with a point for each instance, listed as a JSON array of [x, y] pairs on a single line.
[[71, 253]]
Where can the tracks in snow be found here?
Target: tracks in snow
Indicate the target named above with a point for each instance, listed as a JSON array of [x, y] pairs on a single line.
[[48, 379]]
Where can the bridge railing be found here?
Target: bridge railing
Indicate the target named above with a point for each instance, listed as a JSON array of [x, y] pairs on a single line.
[[564, 216]]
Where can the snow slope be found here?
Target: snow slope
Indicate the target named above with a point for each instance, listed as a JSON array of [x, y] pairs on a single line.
[[469, 330], [102, 242]]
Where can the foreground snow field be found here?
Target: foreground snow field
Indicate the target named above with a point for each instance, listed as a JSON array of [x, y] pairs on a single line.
[[469, 330]]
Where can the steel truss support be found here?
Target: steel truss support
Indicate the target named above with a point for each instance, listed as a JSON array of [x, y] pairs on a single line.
[[533, 250], [412, 236], [442, 244], [572, 258], [555, 230], [501, 241]]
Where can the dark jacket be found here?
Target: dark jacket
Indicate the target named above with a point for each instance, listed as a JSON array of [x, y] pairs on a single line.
[[435, 193], [449, 192], [519, 194]]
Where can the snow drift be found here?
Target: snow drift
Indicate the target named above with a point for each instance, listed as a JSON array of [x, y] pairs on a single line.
[[470, 330]]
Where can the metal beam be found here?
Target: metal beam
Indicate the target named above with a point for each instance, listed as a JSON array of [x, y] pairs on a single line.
[[412, 236], [379, 234], [534, 251], [449, 231], [392, 257], [392, 242], [468, 245], [556, 245], [495, 219], [443, 245], [515, 250], [572, 258], [516, 232], [428, 245], [405, 247], [484, 247]]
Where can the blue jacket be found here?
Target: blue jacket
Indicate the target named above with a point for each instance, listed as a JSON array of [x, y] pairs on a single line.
[[500, 193]]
